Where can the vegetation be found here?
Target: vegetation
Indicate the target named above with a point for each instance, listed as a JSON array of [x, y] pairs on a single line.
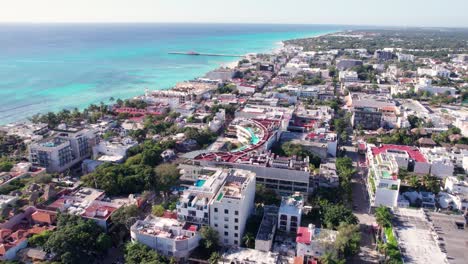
[[158, 210], [136, 253], [77, 240], [266, 196], [124, 214], [347, 240], [333, 215], [438, 43], [10, 145], [345, 170], [290, 149], [209, 239], [39, 240]]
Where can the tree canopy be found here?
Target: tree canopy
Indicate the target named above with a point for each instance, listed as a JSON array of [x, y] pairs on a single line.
[[136, 253], [77, 240]]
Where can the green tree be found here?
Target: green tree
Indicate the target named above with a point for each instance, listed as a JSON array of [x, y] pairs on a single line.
[[336, 214], [266, 196], [124, 214], [157, 210], [214, 258], [209, 239], [383, 216], [167, 175], [38, 240], [347, 240], [77, 240], [136, 253], [249, 240]]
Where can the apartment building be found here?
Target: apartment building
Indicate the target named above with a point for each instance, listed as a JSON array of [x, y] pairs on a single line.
[[232, 205], [220, 198], [348, 76], [167, 236], [65, 148], [384, 164], [290, 213]]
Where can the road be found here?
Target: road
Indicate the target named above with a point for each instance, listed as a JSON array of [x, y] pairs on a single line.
[[361, 205]]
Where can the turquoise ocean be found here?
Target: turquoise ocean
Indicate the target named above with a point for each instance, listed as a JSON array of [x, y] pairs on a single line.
[[49, 67]]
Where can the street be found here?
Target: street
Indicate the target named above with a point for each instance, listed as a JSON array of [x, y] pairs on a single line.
[[367, 254]]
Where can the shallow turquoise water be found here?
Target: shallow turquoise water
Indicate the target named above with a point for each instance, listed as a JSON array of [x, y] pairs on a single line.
[[48, 67]]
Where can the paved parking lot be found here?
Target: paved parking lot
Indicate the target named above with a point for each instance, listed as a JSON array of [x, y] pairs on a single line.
[[415, 237], [452, 235]]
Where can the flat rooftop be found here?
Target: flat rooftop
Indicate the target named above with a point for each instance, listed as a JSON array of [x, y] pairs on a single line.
[[455, 239], [415, 237]]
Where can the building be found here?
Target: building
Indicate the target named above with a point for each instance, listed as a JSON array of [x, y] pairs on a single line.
[[425, 85], [345, 64], [66, 148], [167, 236], [232, 206], [314, 242], [327, 177], [405, 57], [290, 213], [6, 200], [220, 198], [348, 76], [241, 255], [383, 55], [114, 150], [440, 160], [370, 111], [384, 164], [267, 230]]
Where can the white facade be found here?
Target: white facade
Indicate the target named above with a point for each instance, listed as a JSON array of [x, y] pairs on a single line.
[[169, 237], [232, 205], [312, 241], [290, 213], [348, 76], [113, 151], [441, 163]]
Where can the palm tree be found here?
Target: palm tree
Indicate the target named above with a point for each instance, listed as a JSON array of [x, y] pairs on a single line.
[[383, 217], [249, 240]]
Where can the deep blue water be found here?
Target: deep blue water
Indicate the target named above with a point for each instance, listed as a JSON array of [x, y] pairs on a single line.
[[48, 67]]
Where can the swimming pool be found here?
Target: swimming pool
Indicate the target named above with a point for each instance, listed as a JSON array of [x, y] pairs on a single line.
[[200, 183]]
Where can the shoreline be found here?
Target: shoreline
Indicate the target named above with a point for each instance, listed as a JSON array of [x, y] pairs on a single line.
[[275, 46]]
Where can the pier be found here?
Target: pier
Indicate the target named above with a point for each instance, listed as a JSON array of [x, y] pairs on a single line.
[[192, 53]]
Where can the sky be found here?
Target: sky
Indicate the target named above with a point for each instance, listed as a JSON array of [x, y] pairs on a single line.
[[430, 13]]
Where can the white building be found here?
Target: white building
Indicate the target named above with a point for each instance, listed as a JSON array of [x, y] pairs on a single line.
[[425, 85], [114, 150], [6, 200], [441, 163], [169, 237], [384, 164], [64, 149], [290, 213], [348, 76], [405, 57], [221, 198], [232, 205]]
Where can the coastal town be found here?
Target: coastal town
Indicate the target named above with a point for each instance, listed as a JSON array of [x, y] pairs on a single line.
[[350, 147]]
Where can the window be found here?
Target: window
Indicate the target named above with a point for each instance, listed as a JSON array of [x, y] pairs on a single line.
[[236, 228], [216, 225], [226, 233], [216, 210], [236, 220], [283, 217], [226, 219], [236, 235], [294, 218], [226, 241], [236, 242], [236, 212], [226, 211], [226, 226]]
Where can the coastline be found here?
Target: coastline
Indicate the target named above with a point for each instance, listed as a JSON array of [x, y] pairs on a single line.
[[274, 47]]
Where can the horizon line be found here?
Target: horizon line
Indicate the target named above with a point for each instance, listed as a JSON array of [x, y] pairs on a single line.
[[230, 23]]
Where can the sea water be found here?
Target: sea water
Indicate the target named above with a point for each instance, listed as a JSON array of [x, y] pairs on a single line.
[[49, 67]]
